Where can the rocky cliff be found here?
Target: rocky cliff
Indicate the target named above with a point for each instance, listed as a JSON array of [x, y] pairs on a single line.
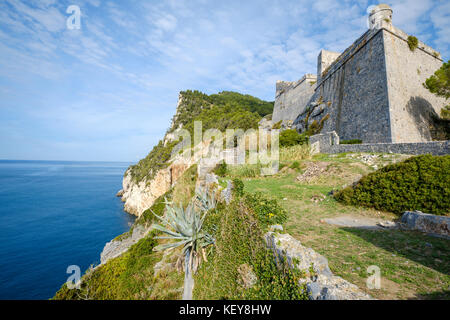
[[139, 196], [154, 175]]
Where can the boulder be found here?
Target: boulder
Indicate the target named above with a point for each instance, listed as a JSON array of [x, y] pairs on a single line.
[[320, 281], [115, 248], [428, 223]]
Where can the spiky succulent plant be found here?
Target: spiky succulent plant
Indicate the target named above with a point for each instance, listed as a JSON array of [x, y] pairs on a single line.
[[185, 226]]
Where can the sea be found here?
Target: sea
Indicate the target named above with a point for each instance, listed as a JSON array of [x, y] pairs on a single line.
[[54, 215]]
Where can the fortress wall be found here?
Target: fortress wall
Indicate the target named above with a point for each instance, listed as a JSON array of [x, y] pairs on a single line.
[[292, 98], [354, 89], [324, 60], [436, 148], [411, 105], [329, 143]]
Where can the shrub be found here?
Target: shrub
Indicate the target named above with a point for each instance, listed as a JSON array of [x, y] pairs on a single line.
[[221, 169], [295, 165], [419, 183], [439, 82], [291, 137], [238, 187], [351, 141], [413, 42], [445, 113], [268, 211], [156, 160], [184, 189], [240, 242], [277, 125]]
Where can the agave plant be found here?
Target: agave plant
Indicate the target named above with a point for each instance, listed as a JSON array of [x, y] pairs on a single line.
[[185, 226]]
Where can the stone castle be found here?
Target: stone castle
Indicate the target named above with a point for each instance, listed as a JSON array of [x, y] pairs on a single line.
[[373, 91]]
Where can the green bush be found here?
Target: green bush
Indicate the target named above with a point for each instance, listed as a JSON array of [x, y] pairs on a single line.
[[419, 183], [413, 42], [351, 141], [291, 137], [221, 169], [295, 165], [156, 160], [268, 211], [445, 113]]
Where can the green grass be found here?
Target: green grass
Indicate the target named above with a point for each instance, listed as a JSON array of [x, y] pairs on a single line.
[[130, 276], [239, 244], [410, 268]]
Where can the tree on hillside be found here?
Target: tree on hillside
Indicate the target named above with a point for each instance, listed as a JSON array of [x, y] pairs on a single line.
[[439, 84]]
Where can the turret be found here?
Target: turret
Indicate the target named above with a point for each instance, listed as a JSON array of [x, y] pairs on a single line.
[[379, 15]]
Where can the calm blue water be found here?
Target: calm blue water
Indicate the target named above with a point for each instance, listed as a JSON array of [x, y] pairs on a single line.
[[52, 215]]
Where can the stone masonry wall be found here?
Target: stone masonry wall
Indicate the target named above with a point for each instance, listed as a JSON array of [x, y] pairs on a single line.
[[412, 107], [292, 98], [324, 60], [355, 91], [329, 143]]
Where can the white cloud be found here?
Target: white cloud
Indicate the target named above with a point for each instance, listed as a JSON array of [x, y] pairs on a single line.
[[166, 23], [48, 17], [129, 60]]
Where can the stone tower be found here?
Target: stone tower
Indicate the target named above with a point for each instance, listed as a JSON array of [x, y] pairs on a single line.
[[379, 14]]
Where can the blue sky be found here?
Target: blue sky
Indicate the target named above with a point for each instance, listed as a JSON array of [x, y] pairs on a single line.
[[109, 90]]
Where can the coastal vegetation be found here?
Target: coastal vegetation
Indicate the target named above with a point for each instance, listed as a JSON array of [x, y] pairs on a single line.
[[413, 43], [291, 137], [225, 110], [419, 183], [413, 265], [221, 247], [439, 84], [239, 265]]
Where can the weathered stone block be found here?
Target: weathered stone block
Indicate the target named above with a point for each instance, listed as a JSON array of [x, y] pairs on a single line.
[[428, 223], [321, 284]]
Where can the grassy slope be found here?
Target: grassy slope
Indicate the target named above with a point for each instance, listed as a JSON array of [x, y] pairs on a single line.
[[412, 265]]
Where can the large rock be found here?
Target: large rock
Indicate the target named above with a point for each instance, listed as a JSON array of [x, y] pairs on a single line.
[[265, 124], [139, 196], [428, 223], [321, 284], [115, 248]]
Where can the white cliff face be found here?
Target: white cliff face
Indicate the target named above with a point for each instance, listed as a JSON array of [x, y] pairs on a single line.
[[138, 197]]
